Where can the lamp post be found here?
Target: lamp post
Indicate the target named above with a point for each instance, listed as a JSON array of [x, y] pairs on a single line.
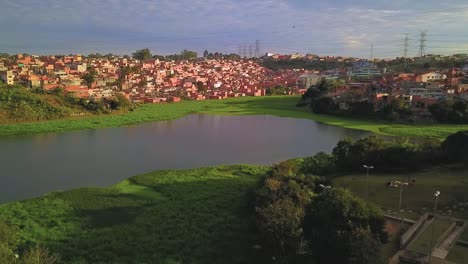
[[367, 179], [396, 184], [324, 187], [436, 194]]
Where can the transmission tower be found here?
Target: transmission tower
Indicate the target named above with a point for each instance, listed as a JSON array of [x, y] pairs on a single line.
[[250, 51], [371, 51], [244, 53], [240, 50], [257, 48], [422, 43], [405, 48]]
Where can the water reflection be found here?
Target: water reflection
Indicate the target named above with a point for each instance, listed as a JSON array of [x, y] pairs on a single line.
[[34, 165]]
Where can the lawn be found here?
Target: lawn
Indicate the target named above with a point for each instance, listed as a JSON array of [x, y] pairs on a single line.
[[274, 105], [418, 198], [422, 244], [188, 216], [458, 254]]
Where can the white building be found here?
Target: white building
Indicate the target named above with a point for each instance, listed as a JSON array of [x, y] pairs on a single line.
[[432, 76], [7, 77], [307, 80], [436, 93]]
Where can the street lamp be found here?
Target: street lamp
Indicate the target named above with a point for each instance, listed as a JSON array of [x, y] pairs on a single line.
[[436, 194], [367, 179], [395, 184], [324, 187]]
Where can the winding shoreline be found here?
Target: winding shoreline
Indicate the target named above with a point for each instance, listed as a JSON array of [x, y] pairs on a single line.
[[282, 106]]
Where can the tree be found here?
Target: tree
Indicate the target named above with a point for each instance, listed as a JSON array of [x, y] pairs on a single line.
[[321, 164], [187, 55], [280, 224], [337, 224], [142, 54], [201, 86], [89, 77], [455, 146], [205, 54]]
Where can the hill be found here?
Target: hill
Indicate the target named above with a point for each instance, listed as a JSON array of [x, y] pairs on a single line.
[[21, 105]]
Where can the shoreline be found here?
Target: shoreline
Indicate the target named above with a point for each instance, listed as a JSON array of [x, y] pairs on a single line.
[[281, 106]]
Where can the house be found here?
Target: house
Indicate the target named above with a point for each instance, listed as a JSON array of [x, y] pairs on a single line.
[[307, 80], [436, 93], [8, 77], [366, 72], [430, 76]]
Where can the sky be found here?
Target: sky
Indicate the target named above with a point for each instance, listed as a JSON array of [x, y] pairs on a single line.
[[333, 27]]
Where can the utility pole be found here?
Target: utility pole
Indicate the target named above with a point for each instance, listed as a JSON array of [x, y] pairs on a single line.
[[422, 43], [405, 49], [257, 48]]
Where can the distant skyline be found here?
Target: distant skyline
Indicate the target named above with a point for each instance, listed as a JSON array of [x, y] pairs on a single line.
[[334, 27]]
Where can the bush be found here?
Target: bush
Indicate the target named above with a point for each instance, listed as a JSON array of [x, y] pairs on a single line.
[[321, 164]]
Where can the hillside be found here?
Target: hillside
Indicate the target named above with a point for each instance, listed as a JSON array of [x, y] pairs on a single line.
[[20, 105]]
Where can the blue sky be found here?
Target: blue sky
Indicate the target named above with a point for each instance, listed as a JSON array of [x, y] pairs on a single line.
[[334, 27]]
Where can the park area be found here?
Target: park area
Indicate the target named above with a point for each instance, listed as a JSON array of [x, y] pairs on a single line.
[[417, 199]]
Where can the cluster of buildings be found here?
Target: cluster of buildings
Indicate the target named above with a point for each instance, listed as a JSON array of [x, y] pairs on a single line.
[[150, 81], [155, 81], [417, 90]]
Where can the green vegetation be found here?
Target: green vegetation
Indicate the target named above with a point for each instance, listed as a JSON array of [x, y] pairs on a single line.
[[422, 244], [189, 216], [239, 214], [299, 222], [283, 106], [19, 105], [451, 181], [458, 254]]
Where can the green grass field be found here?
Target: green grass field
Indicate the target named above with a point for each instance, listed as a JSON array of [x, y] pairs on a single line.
[[188, 216], [275, 105], [422, 244], [458, 254], [451, 181]]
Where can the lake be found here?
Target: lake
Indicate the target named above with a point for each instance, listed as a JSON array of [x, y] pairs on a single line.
[[36, 164]]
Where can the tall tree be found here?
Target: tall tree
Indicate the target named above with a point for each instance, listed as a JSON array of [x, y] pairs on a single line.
[[89, 77], [338, 224], [205, 54], [142, 54]]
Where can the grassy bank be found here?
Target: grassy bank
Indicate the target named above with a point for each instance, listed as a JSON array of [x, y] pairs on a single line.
[[188, 216], [283, 106]]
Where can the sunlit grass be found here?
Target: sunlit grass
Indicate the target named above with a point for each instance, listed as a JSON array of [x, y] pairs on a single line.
[[183, 216], [283, 106]]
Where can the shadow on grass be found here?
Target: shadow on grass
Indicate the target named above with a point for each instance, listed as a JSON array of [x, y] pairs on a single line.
[[205, 221]]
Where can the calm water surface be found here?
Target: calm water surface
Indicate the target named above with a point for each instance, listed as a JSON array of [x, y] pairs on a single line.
[[34, 165]]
